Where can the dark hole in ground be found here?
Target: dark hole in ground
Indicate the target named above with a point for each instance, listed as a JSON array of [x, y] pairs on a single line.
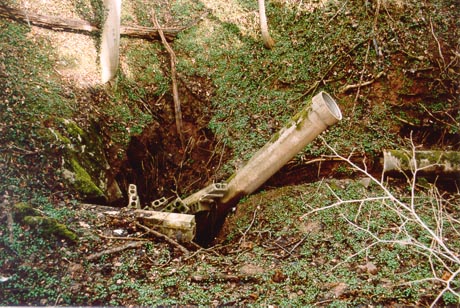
[[161, 167]]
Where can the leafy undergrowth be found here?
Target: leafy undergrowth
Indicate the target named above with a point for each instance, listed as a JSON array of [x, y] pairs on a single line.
[[269, 253], [393, 67]]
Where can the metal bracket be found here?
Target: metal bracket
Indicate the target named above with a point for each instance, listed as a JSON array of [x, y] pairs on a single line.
[[202, 200], [207, 197]]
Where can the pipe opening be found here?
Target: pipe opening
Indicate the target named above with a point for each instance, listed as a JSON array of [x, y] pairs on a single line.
[[332, 105]]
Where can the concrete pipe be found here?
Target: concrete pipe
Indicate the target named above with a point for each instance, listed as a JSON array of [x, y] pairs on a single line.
[[444, 165], [305, 126]]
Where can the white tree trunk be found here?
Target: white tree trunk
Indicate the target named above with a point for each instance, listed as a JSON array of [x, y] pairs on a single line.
[[110, 42], [268, 41]]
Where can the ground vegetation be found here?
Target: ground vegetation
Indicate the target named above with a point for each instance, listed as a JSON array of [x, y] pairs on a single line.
[[327, 230]]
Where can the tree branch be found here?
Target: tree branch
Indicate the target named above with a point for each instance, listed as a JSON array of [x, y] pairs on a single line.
[[114, 250], [411, 214], [83, 26], [172, 55]]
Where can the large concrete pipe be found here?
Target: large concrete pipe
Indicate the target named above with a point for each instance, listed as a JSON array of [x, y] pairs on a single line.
[[305, 126], [212, 204], [444, 165]]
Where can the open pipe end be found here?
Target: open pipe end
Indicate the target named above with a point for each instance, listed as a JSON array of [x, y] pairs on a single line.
[[327, 108]]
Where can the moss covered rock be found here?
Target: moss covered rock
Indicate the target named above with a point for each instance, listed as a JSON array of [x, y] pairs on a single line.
[[24, 213], [85, 165], [82, 181], [22, 209], [49, 226]]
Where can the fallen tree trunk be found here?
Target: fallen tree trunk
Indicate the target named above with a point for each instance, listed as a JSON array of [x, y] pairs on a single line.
[[442, 164], [82, 26]]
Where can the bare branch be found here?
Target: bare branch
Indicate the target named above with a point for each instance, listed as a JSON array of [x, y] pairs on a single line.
[[115, 249], [172, 55], [410, 211], [437, 42]]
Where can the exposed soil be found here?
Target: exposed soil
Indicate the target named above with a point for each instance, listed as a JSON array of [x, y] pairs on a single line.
[[157, 162]]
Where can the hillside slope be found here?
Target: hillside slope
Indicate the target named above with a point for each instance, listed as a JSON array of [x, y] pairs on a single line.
[[70, 146]]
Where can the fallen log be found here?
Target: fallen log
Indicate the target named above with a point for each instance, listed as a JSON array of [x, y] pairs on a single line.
[[82, 26], [431, 164], [114, 250]]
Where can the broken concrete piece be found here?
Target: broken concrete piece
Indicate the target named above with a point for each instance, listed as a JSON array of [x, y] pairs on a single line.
[[175, 225], [133, 198], [203, 199]]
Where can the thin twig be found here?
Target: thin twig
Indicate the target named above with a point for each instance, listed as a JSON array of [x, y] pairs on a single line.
[[115, 250], [319, 160], [439, 120], [122, 238], [284, 249], [299, 242], [360, 84], [342, 202], [249, 227], [26, 152], [318, 82], [172, 55], [336, 13], [360, 80], [374, 28], [437, 42], [9, 221]]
